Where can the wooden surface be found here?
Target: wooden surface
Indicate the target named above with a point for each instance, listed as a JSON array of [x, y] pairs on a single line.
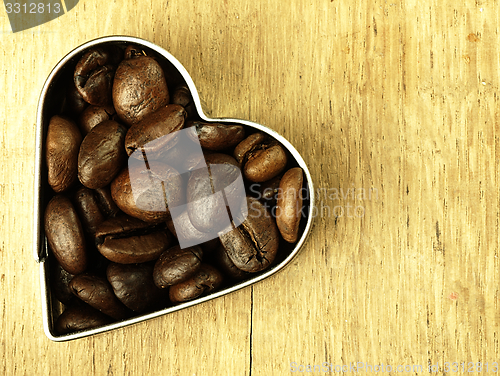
[[396, 99]]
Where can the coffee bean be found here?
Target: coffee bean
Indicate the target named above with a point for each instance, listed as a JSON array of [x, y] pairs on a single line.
[[65, 234], [94, 115], [227, 266], [102, 154], [62, 145], [59, 281], [87, 206], [98, 293], [146, 191], [210, 246], [156, 133], [106, 203], [244, 147], [128, 240], [75, 103], [94, 75], [80, 317], [209, 188], [289, 204], [188, 235], [268, 190], [133, 51], [133, 285], [204, 281], [185, 232], [182, 96], [185, 156], [253, 246], [139, 88], [215, 136], [262, 158], [176, 265], [265, 162]]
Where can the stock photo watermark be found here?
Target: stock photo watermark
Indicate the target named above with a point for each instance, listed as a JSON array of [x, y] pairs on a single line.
[[24, 15], [367, 367], [329, 202], [340, 202]]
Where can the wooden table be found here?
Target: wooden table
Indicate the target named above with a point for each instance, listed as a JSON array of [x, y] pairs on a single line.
[[393, 105]]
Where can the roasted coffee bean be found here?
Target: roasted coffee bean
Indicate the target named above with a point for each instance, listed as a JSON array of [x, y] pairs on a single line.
[[204, 281], [216, 136], [87, 206], [182, 96], [189, 235], [244, 147], [133, 285], [185, 232], [94, 75], [94, 115], [132, 51], [209, 188], [194, 160], [62, 146], [176, 265], [210, 246], [65, 234], [289, 204], [227, 266], [139, 88], [262, 158], [265, 162], [156, 133], [106, 204], [268, 191], [80, 317], [146, 191], [75, 104], [102, 154], [98, 293], [253, 245], [185, 156], [128, 240], [59, 282]]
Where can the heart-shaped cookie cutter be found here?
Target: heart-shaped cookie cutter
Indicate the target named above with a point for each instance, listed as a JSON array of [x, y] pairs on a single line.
[[51, 97]]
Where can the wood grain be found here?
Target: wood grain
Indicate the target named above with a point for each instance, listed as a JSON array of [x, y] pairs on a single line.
[[398, 100]]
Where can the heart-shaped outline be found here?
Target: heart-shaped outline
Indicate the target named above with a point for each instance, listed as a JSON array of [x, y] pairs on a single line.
[[39, 240]]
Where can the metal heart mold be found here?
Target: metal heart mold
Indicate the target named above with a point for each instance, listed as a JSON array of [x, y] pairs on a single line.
[[52, 102]]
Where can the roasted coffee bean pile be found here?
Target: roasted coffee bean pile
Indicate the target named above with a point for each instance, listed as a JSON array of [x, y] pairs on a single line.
[[118, 166]]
